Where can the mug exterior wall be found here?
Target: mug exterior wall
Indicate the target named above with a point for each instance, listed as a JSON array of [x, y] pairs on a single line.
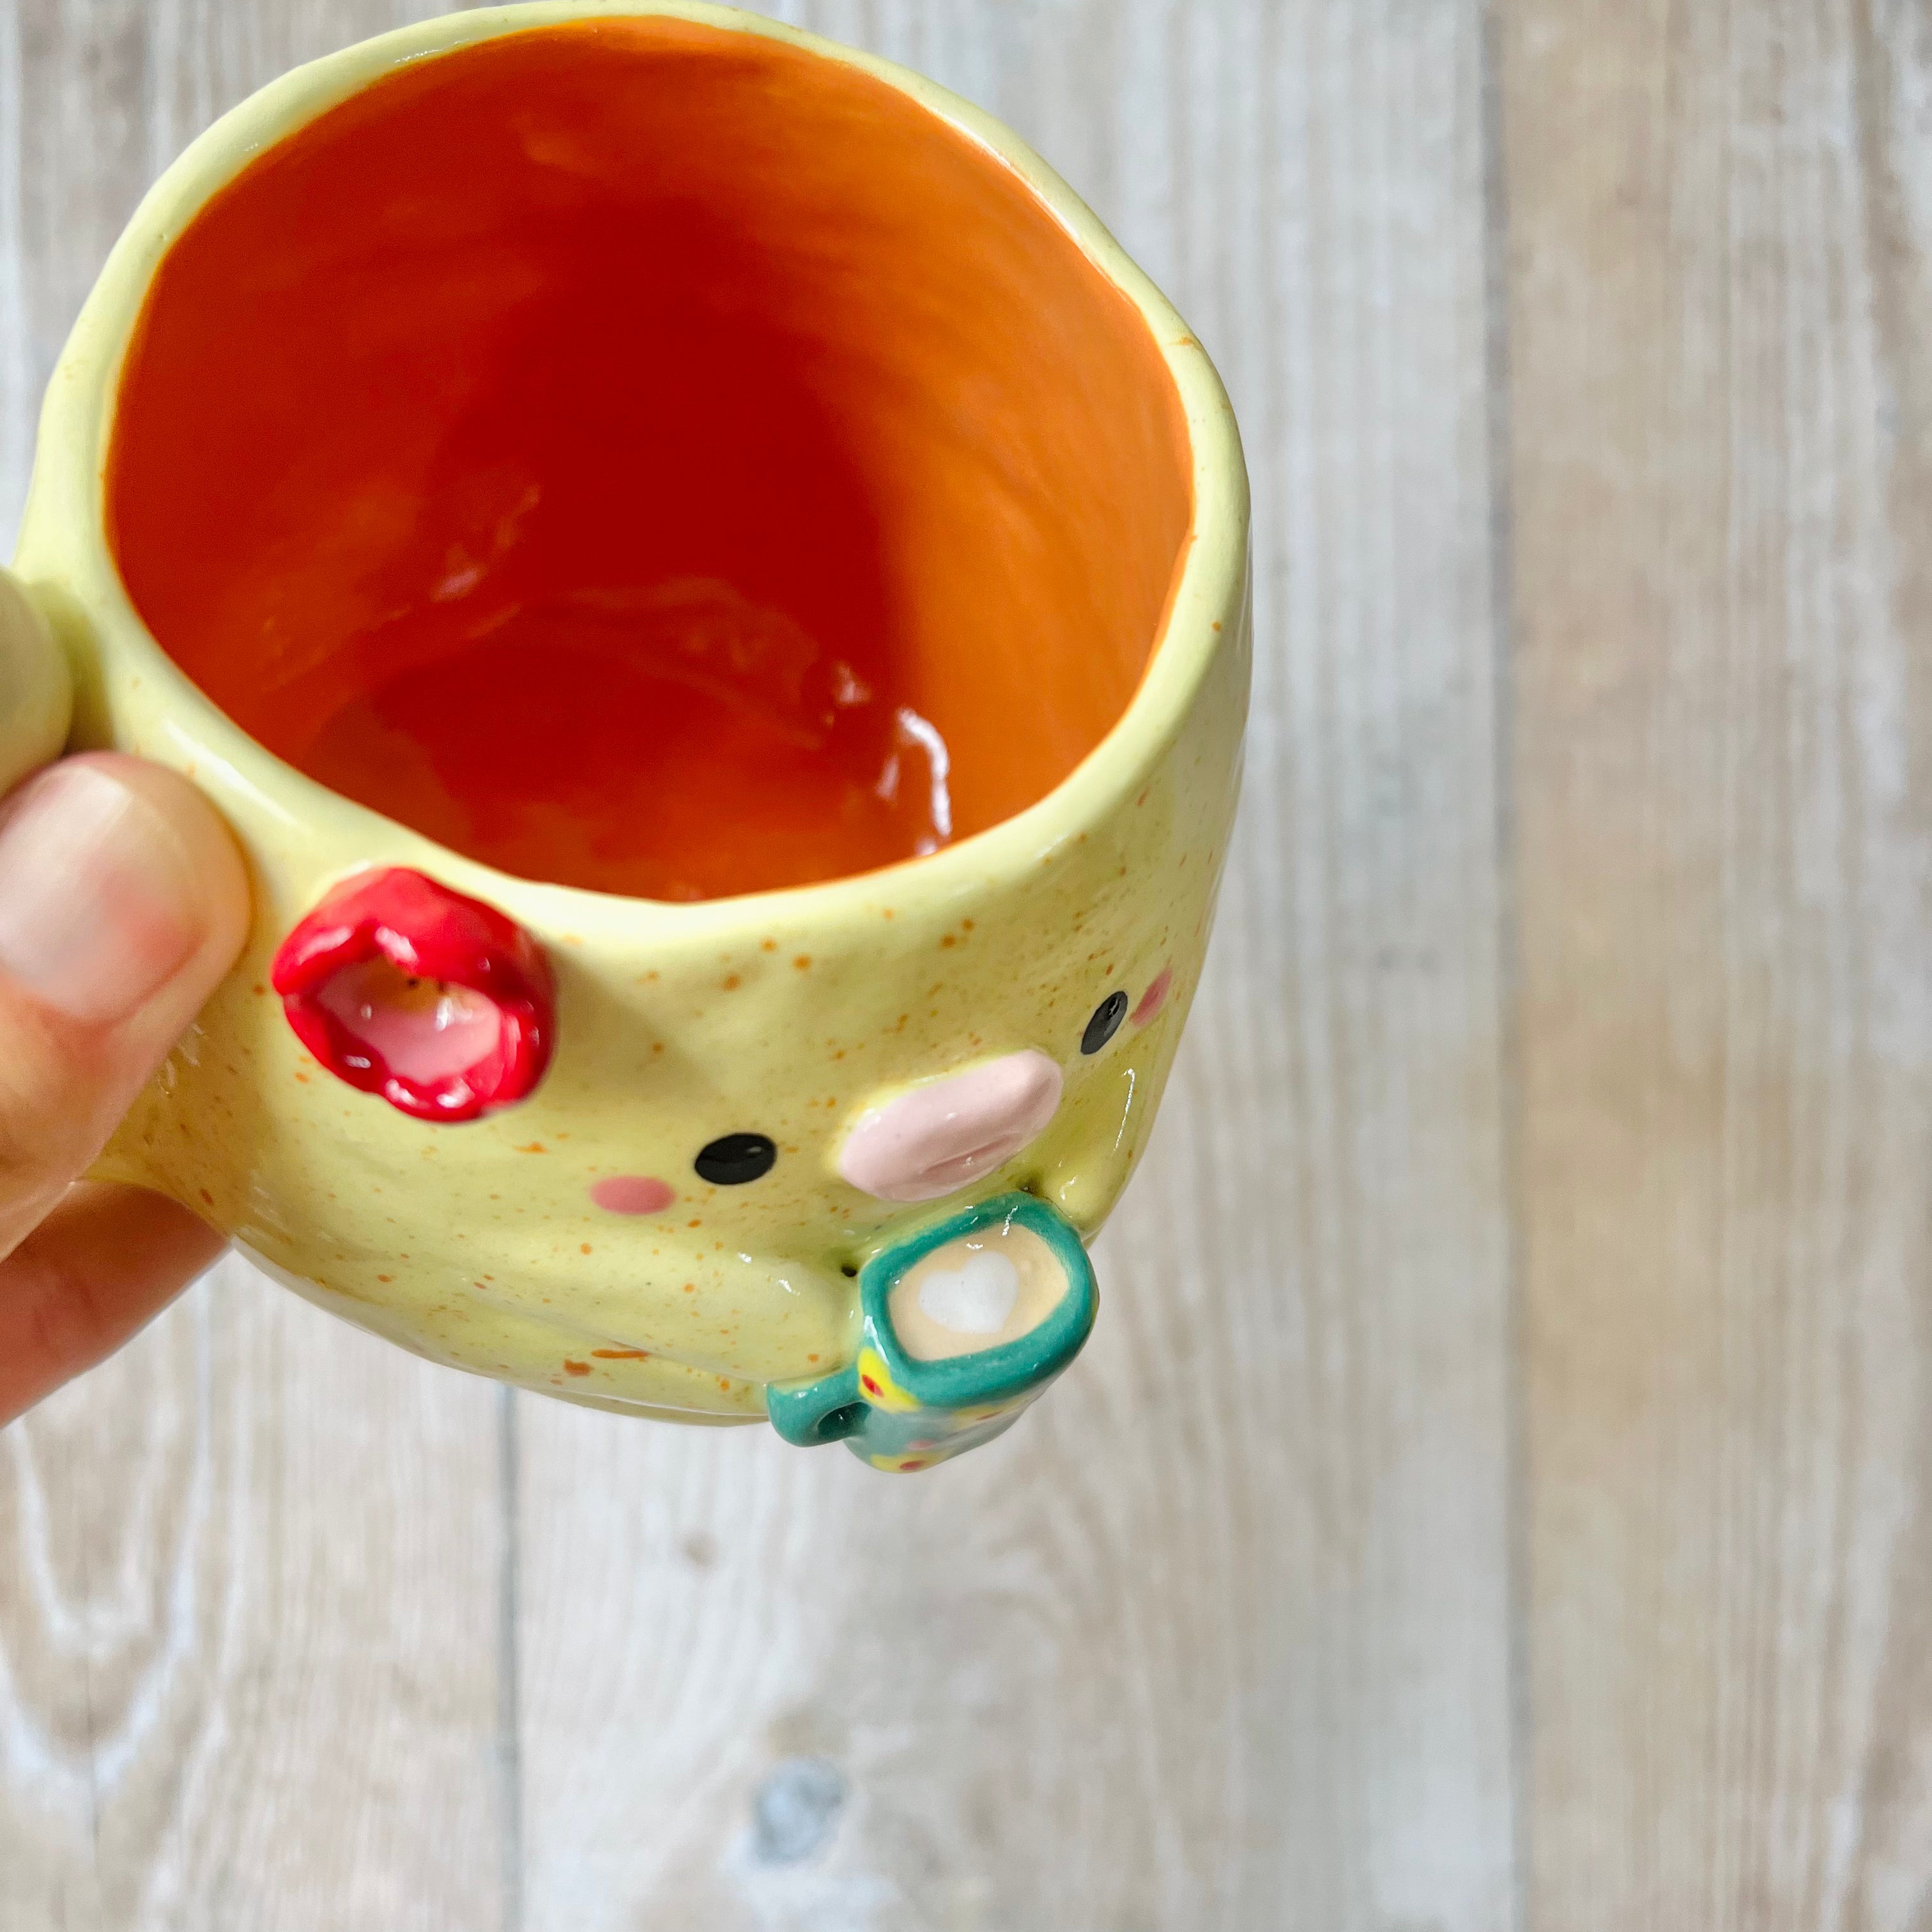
[[785, 1014]]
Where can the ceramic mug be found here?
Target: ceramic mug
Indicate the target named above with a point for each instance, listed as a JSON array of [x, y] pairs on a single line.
[[714, 599]]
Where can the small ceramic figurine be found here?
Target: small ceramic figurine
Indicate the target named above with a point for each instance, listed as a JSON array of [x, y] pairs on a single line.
[[714, 599]]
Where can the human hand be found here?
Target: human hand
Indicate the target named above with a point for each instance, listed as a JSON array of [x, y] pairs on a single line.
[[123, 902]]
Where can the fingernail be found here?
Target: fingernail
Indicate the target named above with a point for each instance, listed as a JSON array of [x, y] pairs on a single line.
[[98, 905]]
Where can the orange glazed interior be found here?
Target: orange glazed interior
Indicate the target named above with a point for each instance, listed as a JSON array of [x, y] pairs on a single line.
[[650, 458]]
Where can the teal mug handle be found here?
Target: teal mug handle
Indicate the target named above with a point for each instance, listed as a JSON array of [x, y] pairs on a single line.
[[827, 1410], [36, 693]]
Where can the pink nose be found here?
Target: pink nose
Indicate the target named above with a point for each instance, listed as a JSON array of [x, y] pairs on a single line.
[[943, 1136]]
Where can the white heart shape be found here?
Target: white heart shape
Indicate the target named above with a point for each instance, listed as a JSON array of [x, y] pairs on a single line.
[[976, 1298]]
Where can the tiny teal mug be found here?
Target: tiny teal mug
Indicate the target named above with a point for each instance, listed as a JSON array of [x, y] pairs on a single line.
[[960, 1328]]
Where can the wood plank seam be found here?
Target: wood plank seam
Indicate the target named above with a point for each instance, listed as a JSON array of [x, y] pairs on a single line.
[[1497, 299]]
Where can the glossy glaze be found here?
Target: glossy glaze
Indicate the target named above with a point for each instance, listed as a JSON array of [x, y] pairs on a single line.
[[651, 459], [920, 1391], [436, 1001], [571, 1242]]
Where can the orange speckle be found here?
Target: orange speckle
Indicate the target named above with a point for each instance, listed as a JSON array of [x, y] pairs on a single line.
[[768, 946], [724, 1382], [621, 1354], [303, 1077], [887, 912], [260, 990], [811, 1358], [965, 925], [691, 1288], [803, 962], [1213, 627], [946, 939], [207, 1197], [584, 1249], [533, 1146], [385, 1277], [732, 982], [570, 1368]]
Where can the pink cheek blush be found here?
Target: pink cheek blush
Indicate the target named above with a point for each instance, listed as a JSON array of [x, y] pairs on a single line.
[[631, 1194], [1155, 997]]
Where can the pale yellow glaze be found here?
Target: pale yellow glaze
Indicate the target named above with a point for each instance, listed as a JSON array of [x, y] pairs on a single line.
[[787, 1013]]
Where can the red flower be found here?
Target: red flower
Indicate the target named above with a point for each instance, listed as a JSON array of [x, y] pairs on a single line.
[[402, 987]]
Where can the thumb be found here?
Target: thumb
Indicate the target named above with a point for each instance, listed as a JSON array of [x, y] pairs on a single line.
[[123, 902]]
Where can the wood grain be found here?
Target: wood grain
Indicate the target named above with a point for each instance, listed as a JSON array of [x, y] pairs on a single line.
[[295, 1632], [1218, 1637], [1718, 252], [249, 1575], [251, 1571]]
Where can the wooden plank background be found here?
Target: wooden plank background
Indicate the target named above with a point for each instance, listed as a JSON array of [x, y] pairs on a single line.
[[1720, 473], [1498, 1494]]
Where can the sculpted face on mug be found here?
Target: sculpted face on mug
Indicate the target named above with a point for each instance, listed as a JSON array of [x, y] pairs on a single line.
[[712, 1152]]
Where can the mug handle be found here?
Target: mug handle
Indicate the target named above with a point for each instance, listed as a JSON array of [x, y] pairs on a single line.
[[36, 690], [825, 1410]]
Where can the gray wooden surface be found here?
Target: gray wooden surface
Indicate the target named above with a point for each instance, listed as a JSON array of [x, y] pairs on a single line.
[[1498, 1494]]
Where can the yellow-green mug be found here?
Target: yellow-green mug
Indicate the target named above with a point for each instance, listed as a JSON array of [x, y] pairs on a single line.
[[714, 600]]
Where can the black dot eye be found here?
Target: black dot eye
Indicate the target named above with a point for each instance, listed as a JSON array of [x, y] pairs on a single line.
[[1105, 1024], [732, 1160]]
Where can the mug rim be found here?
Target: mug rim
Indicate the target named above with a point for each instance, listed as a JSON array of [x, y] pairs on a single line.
[[65, 520]]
